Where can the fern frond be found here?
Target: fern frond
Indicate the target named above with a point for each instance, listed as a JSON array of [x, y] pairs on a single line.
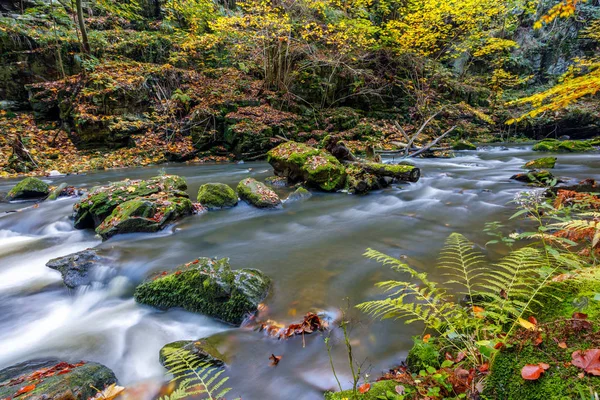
[[194, 376], [463, 263]]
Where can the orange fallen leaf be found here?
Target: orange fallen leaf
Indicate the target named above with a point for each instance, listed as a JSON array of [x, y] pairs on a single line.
[[274, 359], [532, 372], [364, 388], [426, 338], [562, 345], [25, 389]]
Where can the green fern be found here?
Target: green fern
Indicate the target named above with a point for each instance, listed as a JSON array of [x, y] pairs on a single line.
[[506, 291], [194, 377]]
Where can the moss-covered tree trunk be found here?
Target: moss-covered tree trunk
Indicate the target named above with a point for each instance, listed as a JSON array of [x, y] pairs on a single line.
[[85, 45]]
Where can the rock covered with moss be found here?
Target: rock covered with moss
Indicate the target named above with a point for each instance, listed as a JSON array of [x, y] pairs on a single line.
[[302, 163], [205, 350], [145, 214], [257, 194], [535, 177], [207, 286], [541, 163], [216, 196], [300, 194], [463, 145], [53, 379], [378, 390], [93, 208], [29, 189], [563, 146]]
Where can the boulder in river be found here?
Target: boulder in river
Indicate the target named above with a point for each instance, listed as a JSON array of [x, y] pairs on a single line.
[[205, 350], [463, 145], [217, 195], [299, 162], [558, 146], [257, 194], [93, 208], [51, 379], [145, 214], [76, 269], [536, 177], [539, 163], [300, 194], [207, 286], [29, 189]]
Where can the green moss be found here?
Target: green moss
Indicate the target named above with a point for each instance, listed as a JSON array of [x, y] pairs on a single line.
[[217, 195], [423, 355], [463, 145], [257, 194], [209, 287], [29, 188], [544, 162], [392, 169], [358, 181], [292, 152], [144, 214], [299, 194], [557, 146], [595, 141], [379, 390], [100, 202], [325, 172], [535, 177]]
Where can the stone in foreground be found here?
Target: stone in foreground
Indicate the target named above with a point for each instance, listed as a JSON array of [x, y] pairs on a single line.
[[215, 196], [76, 268], [207, 286], [51, 379], [536, 177], [29, 189], [257, 194]]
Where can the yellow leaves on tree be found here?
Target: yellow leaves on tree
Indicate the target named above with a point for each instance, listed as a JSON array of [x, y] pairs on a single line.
[[564, 9]]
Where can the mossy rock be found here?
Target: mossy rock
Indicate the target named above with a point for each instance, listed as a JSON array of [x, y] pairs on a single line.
[[207, 286], [302, 163], [541, 163], [379, 390], [257, 194], [358, 181], [595, 141], [216, 196], [423, 355], [78, 383], [277, 181], [28, 189], [92, 209], [204, 350], [300, 194], [144, 214], [562, 381], [565, 146], [535, 177], [463, 145]]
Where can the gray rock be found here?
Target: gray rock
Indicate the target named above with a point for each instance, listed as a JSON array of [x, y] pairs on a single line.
[[76, 269]]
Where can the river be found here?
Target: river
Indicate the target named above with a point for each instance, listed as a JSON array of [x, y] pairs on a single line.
[[312, 251]]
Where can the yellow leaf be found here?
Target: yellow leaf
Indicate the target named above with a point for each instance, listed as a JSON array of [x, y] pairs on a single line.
[[526, 324], [109, 393], [131, 189]]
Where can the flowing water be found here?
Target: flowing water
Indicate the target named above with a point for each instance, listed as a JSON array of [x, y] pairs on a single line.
[[311, 250]]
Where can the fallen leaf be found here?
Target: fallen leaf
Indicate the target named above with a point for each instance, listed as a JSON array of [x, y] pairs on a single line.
[[426, 338], [400, 389], [364, 388], [532, 372], [109, 393], [526, 324], [485, 367], [562, 345], [532, 320], [25, 389], [588, 360], [275, 359]]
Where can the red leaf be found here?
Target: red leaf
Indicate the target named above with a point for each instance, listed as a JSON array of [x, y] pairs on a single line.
[[426, 338], [484, 367], [578, 315], [538, 340], [588, 360], [532, 320], [461, 356], [449, 357], [498, 345], [25, 389], [364, 388], [532, 372]]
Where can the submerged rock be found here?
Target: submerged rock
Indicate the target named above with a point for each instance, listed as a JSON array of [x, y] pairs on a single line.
[[302, 163], [207, 286], [100, 202], [299, 194], [52, 379], [204, 350], [76, 268], [29, 189], [217, 195], [257, 194], [557, 146], [544, 162], [277, 181], [145, 214]]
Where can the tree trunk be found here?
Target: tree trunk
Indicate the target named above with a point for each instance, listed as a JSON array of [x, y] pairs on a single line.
[[84, 38]]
